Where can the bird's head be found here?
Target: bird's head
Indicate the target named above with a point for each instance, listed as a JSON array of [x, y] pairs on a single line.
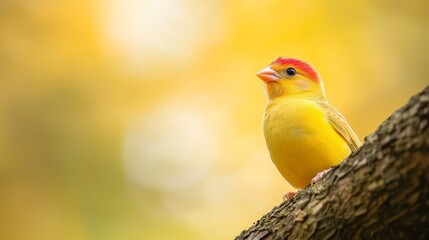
[[291, 77]]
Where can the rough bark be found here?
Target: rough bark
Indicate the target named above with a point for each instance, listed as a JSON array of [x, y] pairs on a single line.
[[379, 192]]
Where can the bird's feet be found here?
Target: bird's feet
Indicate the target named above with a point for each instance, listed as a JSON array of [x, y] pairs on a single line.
[[319, 176], [288, 196]]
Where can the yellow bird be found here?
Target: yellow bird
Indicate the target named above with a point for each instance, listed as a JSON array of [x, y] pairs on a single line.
[[305, 134]]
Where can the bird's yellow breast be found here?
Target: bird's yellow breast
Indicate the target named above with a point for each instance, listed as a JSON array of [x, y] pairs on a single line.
[[300, 139]]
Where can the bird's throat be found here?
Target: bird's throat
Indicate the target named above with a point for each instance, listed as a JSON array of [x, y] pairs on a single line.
[[273, 90], [298, 88]]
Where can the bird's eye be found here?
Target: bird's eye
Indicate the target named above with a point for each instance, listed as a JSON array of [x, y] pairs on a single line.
[[291, 72]]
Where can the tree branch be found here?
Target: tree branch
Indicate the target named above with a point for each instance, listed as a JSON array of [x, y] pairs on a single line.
[[379, 192]]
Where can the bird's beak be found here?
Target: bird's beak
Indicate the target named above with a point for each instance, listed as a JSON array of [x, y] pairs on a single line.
[[268, 75]]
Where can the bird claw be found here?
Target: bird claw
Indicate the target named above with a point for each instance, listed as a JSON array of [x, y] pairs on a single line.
[[287, 196], [319, 176]]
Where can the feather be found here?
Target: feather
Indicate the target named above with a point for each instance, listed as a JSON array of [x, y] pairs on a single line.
[[341, 126], [299, 64]]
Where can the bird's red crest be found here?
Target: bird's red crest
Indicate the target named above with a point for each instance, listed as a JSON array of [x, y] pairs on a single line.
[[301, 65]]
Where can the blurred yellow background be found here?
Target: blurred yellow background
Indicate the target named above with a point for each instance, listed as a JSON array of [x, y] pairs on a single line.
[[127, 119]]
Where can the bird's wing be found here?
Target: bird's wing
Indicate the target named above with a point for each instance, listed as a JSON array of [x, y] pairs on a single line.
[[339, 123]]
